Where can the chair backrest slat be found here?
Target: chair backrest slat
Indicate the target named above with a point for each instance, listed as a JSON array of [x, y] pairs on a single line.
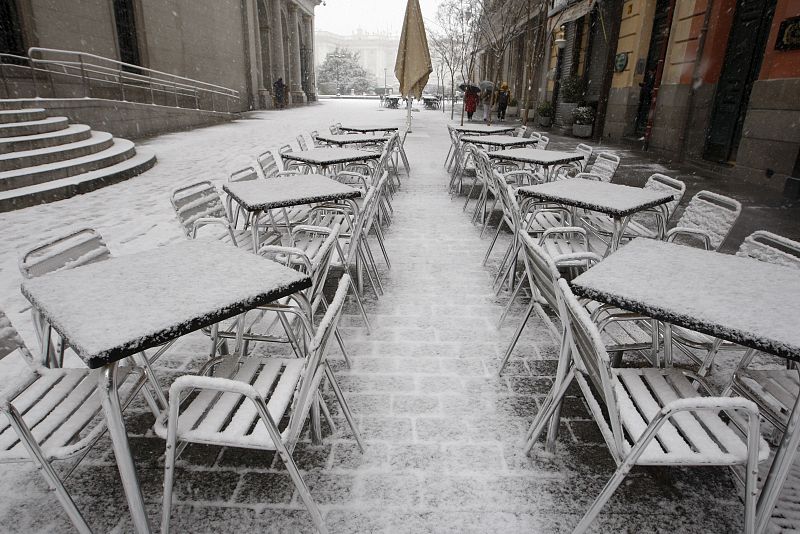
[[270, 162], [301, 142], [10, 339], [196, 201], [713, 214], [771, 248], [542, 142], [544, 271], [80, 247], [244, 175]]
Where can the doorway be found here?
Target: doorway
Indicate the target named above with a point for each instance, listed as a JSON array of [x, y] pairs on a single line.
[[127, 38], [746, 43], [657, 37]]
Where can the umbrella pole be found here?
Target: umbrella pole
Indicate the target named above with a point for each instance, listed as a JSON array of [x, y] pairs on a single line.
[[408, 113]]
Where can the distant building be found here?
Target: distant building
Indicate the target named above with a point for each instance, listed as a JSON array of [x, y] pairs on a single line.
[[376, 52], [244, 45]]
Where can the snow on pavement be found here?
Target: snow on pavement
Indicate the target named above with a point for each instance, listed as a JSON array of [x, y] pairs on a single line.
[[443, 433]]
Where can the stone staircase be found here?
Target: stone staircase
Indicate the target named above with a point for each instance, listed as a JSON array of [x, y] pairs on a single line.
[[44, 159]]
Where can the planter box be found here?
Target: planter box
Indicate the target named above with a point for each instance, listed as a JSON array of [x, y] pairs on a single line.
[[545, 122], [511, 111], [582, 130]]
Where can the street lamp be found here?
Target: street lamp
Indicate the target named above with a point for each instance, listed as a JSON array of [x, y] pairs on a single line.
[[384, 82]]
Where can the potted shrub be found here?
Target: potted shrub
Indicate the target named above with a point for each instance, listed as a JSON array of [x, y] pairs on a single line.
[[512, 109], [572, 90], [545, 112], [582, 120]]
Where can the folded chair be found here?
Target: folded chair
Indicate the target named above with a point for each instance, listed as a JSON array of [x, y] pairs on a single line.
[[650, 416], [54, 414], [263, 404]]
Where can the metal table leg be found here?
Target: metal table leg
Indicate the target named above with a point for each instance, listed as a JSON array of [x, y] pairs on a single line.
[[109, 398], [779, 470]]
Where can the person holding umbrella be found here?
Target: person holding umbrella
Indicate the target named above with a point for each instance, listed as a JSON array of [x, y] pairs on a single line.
[[503, 97], [470, 98]]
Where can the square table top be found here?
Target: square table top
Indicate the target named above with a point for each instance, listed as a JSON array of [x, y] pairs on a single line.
[[742, 300], [354, 138], [480, 128], [613, 199], [370, 128], [330, 155], [498, 140], [536, 155], [286, 191], [113, 309]]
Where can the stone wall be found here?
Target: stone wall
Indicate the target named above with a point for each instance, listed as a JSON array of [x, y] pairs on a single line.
[[87, 26], [621, 112], [771, 133], [199, 39], [125, 119]]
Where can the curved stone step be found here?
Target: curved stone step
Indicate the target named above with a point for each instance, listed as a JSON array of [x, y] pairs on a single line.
[[121, 150], [96, 142], [75, 185], [22, 115], [49, 124], [71, 134]]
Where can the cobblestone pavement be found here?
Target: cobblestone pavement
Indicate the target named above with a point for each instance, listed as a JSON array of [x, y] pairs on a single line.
[[443, 432]]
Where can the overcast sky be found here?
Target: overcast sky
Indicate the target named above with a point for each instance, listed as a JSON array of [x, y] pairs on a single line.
[[346, 16]]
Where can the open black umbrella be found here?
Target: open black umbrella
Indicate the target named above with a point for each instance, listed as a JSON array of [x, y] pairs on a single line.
[[469, 87]]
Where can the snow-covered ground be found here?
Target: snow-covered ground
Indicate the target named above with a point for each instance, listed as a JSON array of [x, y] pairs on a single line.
[[443, 432]]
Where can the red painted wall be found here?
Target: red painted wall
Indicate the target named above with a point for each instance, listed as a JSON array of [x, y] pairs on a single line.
[[781, 63]]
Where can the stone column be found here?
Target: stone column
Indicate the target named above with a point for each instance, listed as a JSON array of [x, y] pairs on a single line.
[[298, 95], [276, 48], [308, 24]]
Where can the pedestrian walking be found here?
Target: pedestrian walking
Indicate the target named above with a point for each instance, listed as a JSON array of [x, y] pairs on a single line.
[[486, 100], [503, 96], [470, 103], [280, 93]]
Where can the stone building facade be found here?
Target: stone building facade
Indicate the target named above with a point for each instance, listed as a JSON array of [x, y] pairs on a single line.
[[245, 45], [376, 53], [712, 81]]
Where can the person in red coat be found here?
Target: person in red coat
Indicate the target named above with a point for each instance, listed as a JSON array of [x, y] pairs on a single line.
[[470, 103]]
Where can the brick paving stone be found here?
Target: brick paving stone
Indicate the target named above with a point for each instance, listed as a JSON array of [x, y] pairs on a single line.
[[443, 433]]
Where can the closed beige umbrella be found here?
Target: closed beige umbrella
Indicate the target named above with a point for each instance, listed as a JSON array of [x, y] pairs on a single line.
[[413, 64]]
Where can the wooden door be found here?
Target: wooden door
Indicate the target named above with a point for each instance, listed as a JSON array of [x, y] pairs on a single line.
[[746, 43]]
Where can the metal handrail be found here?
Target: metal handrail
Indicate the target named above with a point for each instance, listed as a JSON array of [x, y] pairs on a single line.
[[90, 68]]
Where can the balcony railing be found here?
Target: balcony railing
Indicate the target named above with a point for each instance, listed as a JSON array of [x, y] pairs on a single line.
[[55, 73]]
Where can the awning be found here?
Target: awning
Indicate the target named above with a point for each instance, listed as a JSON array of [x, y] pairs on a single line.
[[564, 12]]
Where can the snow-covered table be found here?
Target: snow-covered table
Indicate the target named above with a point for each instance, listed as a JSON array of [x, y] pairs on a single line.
[[322, 158], [495, 140], [369, 128], [352, 139], [742, 300], [536, 156], [618, 201], [258, 196], [116, 308], [483, 129]]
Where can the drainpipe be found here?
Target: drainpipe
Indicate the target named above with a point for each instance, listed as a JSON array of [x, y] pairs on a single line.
[[696, 77], [662, 56]]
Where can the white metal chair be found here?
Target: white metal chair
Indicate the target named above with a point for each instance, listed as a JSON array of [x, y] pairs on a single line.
[[650, 223], [706, 221], [199, 206], [54, 414], [603, 168], [650, 416], [263, 404], [543, 142], [768, 247]]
